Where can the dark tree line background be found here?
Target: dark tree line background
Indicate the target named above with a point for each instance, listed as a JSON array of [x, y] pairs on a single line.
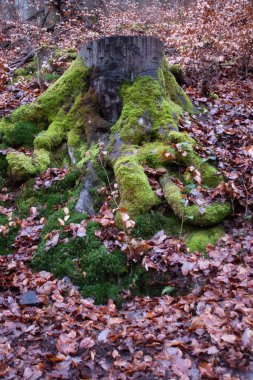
[[47, 13]]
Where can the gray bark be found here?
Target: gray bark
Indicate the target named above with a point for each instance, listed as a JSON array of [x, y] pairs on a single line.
[[116, 59]]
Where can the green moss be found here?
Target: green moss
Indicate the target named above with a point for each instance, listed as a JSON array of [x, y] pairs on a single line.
[[65, 89], [3, 165], [209, 175], [136, 195], [53, 136], [147, 225], [88, 155], [45, 200], [50, 77], [22, 72], [68, 182], [101, 292], [198, 240], [180, 137], [85, 261], [213, 214], [19, 134], [64, 119], [174, 91], [63, 92], [41, 160], [3, 220], [147, 113], [60, 157], [20, 166], [177, 72], [152, 154], [30, 113], [43, 141], [28, 71], [7, 239], [67, 123], [185, 155], [76, 122]]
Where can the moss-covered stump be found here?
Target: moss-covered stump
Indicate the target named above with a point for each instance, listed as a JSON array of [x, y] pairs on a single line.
[[121, 97], [121, 92]]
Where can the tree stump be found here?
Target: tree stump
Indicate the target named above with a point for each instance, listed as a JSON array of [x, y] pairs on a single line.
[[120, 91], [116, 59]]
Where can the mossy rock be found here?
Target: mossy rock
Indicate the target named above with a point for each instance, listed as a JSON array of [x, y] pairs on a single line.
[[22, 166]]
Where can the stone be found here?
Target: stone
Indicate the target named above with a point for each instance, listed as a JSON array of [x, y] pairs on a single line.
[[30, 298]]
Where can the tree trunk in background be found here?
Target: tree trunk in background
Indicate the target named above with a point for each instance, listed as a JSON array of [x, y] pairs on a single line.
[[46, 13]]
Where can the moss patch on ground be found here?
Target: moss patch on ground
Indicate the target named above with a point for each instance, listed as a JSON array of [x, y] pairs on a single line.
[[199, 239], [19, 134], [85, 260], [147, 225], [7, 237], [46, 200]]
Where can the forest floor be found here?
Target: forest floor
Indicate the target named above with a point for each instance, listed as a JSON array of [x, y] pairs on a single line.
[[208, 333]]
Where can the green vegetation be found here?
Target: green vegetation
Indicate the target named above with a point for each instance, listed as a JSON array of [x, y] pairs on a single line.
[[66, 117], [7, 237], [212, 214], [86, 262], [61, 192], [173, 90], [147, 114], [198, 240], [22, 166], [18, 134], [150, 223], [59, 109], [136, 194]]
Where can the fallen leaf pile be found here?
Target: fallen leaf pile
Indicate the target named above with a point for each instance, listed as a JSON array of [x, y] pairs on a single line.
[[225, 133], [206, 334], [28, 235]]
